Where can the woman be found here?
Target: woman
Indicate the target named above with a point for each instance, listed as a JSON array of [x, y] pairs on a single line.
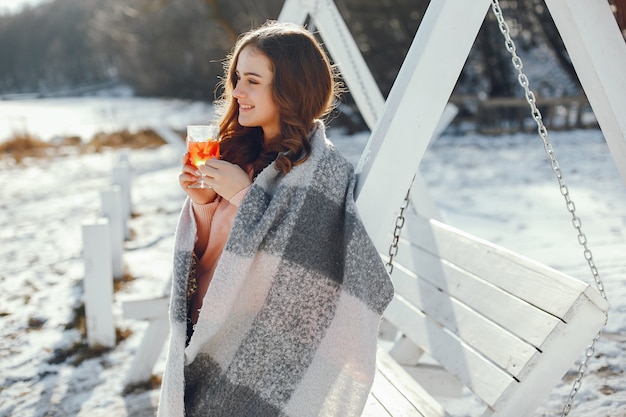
[[277, 289]]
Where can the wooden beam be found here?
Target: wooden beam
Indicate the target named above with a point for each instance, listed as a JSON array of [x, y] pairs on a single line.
[[148, 352], [293, 12], [343, 49], [413, 109], [370, 101], [146, 309], [598, 52], [98, 284], [121, 176], [112, 209]]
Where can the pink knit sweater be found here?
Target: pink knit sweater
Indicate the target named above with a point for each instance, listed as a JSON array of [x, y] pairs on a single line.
[[214, 221]]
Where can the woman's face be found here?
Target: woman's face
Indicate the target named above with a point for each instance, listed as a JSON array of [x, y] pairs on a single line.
[[253, 93]]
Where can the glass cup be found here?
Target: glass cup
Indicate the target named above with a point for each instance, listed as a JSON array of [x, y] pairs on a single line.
[[203, 143]]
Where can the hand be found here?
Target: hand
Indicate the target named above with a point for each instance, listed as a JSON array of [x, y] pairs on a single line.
[[190, 175], [227, 179]]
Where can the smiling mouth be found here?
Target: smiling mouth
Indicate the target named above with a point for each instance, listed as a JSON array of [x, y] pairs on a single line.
[[245, 107]]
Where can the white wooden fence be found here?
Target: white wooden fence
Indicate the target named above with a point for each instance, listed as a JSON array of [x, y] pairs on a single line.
[[98, 286], [103, 248], [103, 251]]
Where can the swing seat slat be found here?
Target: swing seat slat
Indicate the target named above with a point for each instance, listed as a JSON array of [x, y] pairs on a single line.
[[505, 326], [395, 393]]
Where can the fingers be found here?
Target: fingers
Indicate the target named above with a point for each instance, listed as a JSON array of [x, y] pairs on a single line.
[[224, 178], [188, 176], [215, 169], [215, 164], [187, 167], [227, 179], [185, 180], [189, 173]]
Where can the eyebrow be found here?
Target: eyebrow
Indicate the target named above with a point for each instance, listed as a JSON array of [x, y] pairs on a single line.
[[254, 74]]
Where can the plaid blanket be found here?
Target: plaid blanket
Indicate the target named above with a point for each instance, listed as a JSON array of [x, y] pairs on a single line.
[[289, 323]]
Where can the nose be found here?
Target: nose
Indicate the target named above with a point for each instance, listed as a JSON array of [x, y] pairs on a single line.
[[238, 91]]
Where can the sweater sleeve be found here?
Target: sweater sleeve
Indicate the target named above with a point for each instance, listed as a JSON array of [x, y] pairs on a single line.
[[203, 213], [238, 198]]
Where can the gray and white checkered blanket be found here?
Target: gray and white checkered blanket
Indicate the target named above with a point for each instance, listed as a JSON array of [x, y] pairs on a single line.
[[289, 323]]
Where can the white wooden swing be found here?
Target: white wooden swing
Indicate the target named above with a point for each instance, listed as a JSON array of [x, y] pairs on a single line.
[[507, 327]]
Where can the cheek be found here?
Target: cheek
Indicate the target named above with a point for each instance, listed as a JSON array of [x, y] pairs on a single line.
[[273, 111], [272, 104]]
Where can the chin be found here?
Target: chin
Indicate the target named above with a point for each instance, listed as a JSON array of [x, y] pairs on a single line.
[[243, 122]]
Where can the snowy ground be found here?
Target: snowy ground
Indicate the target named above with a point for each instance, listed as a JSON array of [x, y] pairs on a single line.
[[85, 116], [501, 189]]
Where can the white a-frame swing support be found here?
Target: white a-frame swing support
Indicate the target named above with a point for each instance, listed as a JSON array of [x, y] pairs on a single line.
[[425, 82], [460, 298]]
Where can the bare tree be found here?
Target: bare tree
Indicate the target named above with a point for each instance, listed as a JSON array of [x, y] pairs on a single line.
[[171, 48], [44, 48]]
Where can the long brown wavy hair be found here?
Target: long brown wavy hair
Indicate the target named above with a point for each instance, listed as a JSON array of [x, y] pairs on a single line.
[[304, 88]]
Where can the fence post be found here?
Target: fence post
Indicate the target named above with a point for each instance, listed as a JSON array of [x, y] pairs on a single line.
[[121, 177], [112, 209], [98, 285]]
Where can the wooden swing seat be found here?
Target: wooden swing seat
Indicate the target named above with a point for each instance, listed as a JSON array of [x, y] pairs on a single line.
[[507, 327]]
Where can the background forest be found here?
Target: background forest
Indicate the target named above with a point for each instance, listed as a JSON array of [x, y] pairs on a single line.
[[174, 48]]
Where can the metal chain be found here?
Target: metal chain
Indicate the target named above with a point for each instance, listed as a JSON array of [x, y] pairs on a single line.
[[397, 230], [571, 207]]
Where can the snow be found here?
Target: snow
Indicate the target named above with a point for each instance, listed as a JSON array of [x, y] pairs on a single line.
[[498, 188], [50, 117], [15, 6]]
